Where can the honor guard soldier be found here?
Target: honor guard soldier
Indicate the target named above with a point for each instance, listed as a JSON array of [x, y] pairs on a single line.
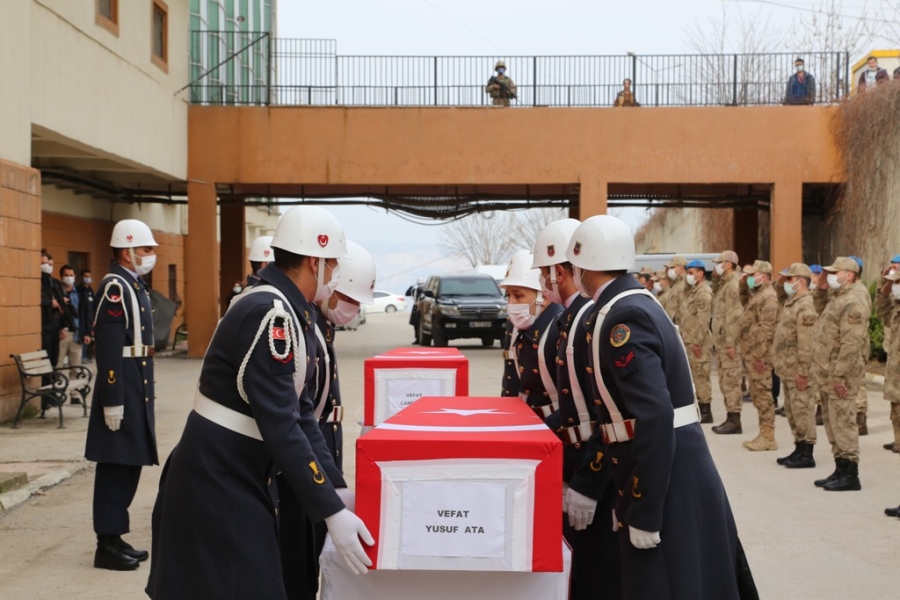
[[302, 540], [259, 256], [726, 328], [793, 364], [215, 522], [696, 314], [121, 436], [533, 346], [587, 484], [509, 387], [677, 533], [842, 333]]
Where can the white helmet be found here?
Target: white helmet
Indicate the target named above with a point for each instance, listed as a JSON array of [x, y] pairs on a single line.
[[602, 243], [261, 250], [357, 274], [519, 273], [310, 231], [552, 241], [131, 233]]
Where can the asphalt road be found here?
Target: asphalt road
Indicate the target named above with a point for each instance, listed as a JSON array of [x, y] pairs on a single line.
[[802, 542]]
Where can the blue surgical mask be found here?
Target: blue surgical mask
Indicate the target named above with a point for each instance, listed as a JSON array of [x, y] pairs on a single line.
[[751, 282], [501, 71]]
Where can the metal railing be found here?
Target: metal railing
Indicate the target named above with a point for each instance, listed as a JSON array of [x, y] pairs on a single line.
[[300, 72]]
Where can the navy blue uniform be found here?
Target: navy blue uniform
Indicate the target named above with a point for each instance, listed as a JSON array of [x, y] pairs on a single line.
[[510, 384], [121, 381], [215, 522], [596, 571], [301, 539], [665, 477], [527, 344]]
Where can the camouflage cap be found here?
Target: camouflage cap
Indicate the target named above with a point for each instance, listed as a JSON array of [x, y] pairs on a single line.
[[645, 270], [677, 261], [895, 276], [843, 263], [727, 256], [797, 270], [661, 274], [759, 266]]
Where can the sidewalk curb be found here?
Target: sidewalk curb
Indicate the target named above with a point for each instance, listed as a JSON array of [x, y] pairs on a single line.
[[16, 497]]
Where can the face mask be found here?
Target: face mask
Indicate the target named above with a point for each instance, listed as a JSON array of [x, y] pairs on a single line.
[[552, 295], [833, 282], [799, 68], [892, 271], [576, 279], [895, 291], [720, 269], [501, 71], [342, 313], [657, 288], [790, 288], [236, 289], [520, 316], [875, 68], [47, 268], [691, 280], [69, 280], [751, 282], [672, 274], [87, 281], [325, 290], [147, 264]]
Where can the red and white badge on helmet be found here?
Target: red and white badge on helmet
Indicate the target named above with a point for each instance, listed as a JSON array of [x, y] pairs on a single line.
[[323, 240]]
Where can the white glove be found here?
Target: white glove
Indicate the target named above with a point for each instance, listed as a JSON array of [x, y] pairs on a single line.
[[346, 529], [580, 509], [643, 540], [565, 491], [348, 498], [113, 416], [615, 521]]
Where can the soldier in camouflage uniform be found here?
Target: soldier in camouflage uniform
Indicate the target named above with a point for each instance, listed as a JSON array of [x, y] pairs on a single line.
[[887, 304], [793, 360], [757, 332], [862, 397], [695, 317], [840, 338], [726, 322], [662, 288], [500, 87], [675, 272]]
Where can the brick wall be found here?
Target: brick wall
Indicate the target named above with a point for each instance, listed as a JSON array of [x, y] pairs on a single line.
[[20, 275]]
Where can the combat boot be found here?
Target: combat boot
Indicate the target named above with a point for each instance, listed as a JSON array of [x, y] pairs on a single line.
[[889, 446], [847, 480], [706, 413], [804, 460], [731, 425], [837, 469], [819, 420], [893, 511], [765, 441], [861, 423], [790, 456]]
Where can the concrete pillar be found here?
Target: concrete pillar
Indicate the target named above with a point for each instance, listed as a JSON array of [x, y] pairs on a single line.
[[786, 224], [746, 234], [231, 248], [201, 262], [592, 198]]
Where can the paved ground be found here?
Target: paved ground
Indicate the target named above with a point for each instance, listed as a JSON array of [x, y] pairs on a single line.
[[802, 542]]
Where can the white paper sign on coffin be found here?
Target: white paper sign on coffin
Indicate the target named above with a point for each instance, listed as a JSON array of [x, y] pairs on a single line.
[[395, 389]]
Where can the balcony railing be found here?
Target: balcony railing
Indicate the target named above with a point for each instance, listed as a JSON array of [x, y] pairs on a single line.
[[254, 69]]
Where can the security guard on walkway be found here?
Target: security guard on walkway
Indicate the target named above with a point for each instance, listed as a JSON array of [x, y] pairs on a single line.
[[677, 534], [121, 436], [215, 523]]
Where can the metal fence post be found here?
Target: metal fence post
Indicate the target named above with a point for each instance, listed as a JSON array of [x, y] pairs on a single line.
[[534, 81], [435, 80], [268, 69], [734, 81]]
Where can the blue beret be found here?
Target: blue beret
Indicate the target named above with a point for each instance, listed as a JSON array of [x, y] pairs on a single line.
[[857, 260], [896, 259], [817, 269], [695, 264]]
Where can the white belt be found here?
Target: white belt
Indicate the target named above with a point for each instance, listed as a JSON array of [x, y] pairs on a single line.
[[137, 351], [226, 417], [623, 431], [577, 434], [336, 415]]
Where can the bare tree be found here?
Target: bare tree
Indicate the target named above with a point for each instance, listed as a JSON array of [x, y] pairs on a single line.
[[527, 224], [890, 19], [482, 238]]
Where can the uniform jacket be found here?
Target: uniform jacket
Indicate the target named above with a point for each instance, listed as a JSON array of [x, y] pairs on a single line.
[[509, 386], [677, 291], [889, 312], [665, 478], [841, 338], [666, 299], [508, 83], [332, 432], [122, 381], [794, 337], [726, 312], [758, 324], [215, 523], [527, 343], [696, 315], [86, 310]]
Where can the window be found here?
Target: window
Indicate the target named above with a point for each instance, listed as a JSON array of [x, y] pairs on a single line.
[[173, 285], [108, 15], [78, 261], [159, 35]]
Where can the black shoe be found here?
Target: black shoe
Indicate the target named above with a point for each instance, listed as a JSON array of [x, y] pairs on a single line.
[[889, 446], [837, 469], [804, 459], [706, 415], [731, 425], [790, 456], [892, 512], [780, 411], [847, 480], [110, 556], [128, 550]]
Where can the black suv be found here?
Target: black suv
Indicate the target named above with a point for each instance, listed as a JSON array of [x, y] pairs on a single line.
[[461, 306]]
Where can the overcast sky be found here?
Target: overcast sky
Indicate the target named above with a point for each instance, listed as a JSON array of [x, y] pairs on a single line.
[[404, 250]]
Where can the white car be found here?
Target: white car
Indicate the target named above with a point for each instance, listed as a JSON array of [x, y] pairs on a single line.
[[387, 302]]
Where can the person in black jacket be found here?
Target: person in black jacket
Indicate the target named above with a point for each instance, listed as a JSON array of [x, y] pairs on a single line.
[[51, 311], [86, 312]]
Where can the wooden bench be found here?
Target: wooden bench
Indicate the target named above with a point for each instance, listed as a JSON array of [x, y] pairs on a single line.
[[54, 393], [180, 333]]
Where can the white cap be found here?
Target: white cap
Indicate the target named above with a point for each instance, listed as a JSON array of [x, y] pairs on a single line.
[[261, 250], [310, 231], [357, 274], [520, 274], [552, 241], [602, 243], [131, 233]]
